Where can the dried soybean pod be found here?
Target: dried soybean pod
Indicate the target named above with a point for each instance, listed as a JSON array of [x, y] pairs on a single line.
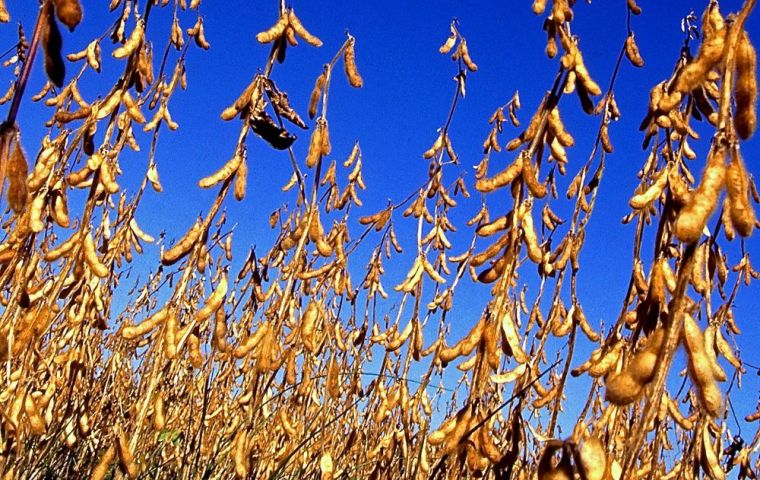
[[501, 179], [91, 257], [203, 258], [699, 367], [511, 335], [622, 389], [79, 177], [214, 301], [183, 246], [309, 326], [431, 271], [509, 376], [62, 249], [530, 131], [693, 217], [579, 317], [52, 43], [36, 422], [657, 284], [491, 336], [17, 171], [159, 418], [194, 351], [252, 341], [243, 101], [486, 229], [349, 62], [104, 465], [676, 415], [450, 41], [486, 444], [43, 167], [557, 127], [632, 51], [584, 83], [241, 181], [639, 278], [709, 341], [60, 209], [316, 235], [678, 187], [493, 273], [36, 212], [333, 378], [709, 460], [471, 66], [490, 252], [135, 331], [469, 342], [106, 170], [558, 261], [654, 191], [669, 275], [227, 170], [170, 334], [725, 218], [139, 233], [551, 43], [604, 136], [537, 189], [462, 425], [745, 89], [576, 251], [574, 187], [93, 55], [435, 148], [604, 363], [725, 349], [133, 43], [644, 362], [69, 12], [447, 354], [220, 330], [274, 32], [295, 22], [316, 93], [710, 51], [591, 459], [449, 426], [124, 454], [697, 276], [239, 451], [315, 145], [535, 252], [741, 212]]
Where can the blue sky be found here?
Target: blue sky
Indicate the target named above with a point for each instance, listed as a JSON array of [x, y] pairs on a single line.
[[408, 89]]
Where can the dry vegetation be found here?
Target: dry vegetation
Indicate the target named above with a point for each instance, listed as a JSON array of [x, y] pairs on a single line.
[[259, 372]]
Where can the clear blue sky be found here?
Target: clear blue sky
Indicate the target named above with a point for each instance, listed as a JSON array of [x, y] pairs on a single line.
[[408, 88]]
